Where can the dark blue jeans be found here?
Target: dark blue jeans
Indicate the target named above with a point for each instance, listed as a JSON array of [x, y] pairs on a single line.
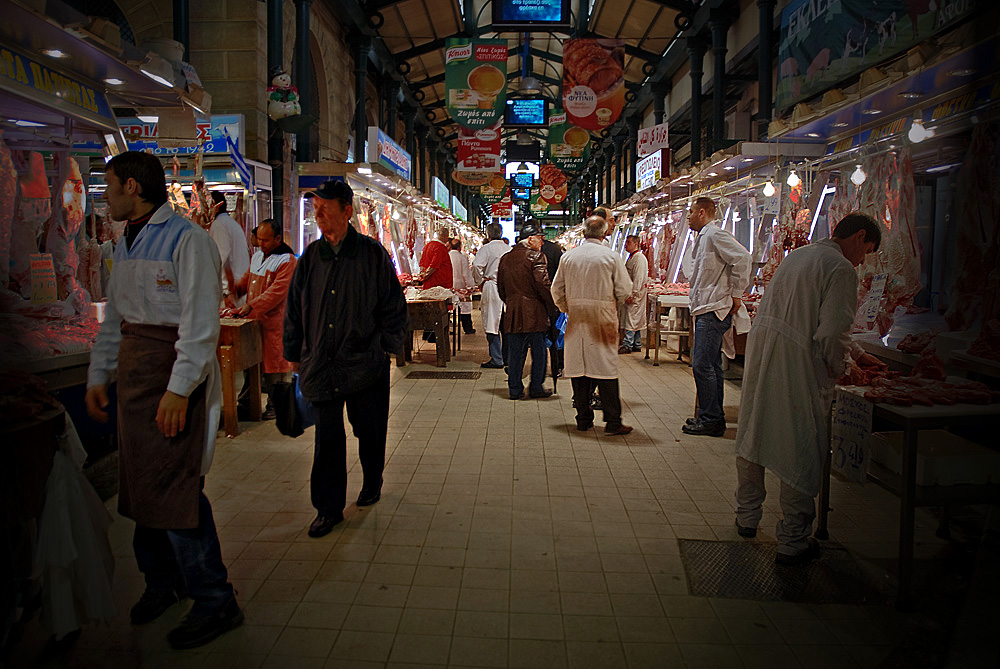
[[496, 350], [519, 343], [706, 363], [186, 560]]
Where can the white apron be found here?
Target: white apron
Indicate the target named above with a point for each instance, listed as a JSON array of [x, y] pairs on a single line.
[[484, 270], [633, 316], [795, 352], [589, 286]]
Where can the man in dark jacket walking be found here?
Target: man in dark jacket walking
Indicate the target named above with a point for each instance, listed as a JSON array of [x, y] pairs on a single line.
[[345, 314], [523, 284]]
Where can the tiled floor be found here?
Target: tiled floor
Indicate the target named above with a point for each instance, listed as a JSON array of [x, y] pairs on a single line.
[[504, 538]]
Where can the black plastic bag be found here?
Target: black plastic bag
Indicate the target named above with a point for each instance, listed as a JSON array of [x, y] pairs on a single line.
[[293, 413]]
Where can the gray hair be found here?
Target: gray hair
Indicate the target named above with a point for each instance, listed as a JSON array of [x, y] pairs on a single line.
[[494, 231], [594, 227]]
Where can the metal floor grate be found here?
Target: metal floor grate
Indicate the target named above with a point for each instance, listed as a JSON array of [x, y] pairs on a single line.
[[444, 375], [746, 570]]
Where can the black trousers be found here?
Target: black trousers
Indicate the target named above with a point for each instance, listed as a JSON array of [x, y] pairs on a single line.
[[583, 388], [368, 412], [466, 321]]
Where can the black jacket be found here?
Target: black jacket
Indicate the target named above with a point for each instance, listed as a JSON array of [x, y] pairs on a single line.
[[552, 252], [345, 313]]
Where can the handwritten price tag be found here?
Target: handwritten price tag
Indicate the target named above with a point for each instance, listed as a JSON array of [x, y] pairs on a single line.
[[652, 139], [43, 278], [850, 435]]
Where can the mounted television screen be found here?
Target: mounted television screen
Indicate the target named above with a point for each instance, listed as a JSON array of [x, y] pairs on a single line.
[[530, 15], [522, 180], [521, 194], [523, 153], [526, 113]]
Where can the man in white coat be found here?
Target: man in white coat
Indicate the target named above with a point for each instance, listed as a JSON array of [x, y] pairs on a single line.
[[462, 284], [796, 350], [484, 272], [590, 286], [721, 273], [633, 314]]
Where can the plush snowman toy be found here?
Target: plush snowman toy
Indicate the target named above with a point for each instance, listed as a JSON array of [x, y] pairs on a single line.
[[283, 98]]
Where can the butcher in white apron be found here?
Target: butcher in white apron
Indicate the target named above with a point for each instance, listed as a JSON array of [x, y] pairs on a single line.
[[484, 272]]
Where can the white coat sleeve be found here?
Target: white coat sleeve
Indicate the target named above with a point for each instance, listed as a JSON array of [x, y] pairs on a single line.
[[622, 283], [104, 355], [558, 290], [836, 314], [478, 267], [737, 260], [199, 284]]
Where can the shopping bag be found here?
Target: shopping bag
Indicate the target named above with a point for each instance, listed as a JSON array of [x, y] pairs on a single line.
[[293, 413]]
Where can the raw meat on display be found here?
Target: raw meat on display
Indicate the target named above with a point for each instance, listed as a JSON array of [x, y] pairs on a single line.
[[987, 345], [973, 293], [791, 230], [915, 343], [61, 238], [8, 199], [909, 391], [929, 366], [34, 209]]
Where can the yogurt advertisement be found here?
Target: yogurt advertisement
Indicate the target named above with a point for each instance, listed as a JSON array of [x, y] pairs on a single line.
[[593, 81], [475, 81]]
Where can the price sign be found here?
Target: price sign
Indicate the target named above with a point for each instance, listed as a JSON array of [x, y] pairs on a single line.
[[652, 139], [43, 278], [873, 299], [850, 434]]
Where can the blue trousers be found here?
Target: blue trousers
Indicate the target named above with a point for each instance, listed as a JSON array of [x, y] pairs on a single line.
[[186, 560], [496, 350], [518, 343], [706, 363], [633, 339]]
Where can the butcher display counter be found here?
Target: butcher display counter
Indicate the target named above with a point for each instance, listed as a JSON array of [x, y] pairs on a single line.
[[241, 348], [912, 420], [658, 306], [426, 315]]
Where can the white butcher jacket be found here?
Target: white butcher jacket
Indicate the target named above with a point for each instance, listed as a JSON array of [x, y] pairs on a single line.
[[633, 316], [589, 286], [795, 352], [461, 274], [172, 279], [721, 272], [484, 269]]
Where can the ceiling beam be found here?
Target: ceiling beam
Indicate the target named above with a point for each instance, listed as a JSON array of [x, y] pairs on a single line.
[[429, 81], [372, 6], [422, 49]]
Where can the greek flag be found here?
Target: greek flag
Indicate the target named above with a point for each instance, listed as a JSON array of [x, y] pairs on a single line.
[[246, 174]]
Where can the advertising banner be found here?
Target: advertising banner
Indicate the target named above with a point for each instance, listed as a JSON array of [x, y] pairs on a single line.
[[593, 81], [537, 204], [649, 170], [479, 150], [824, 42], [384, 151], [475, 79], [441, 194], [652, 139], [495, 189], [568, 145], [142, 136], [551, 185]]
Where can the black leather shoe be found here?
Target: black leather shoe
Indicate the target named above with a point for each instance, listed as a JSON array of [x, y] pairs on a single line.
[[269, 413], [583, 427], [745, 532], [614, 430], [323, 525], [489, 364], [469, 332], [705, 429], [540, 396], [691, 421], [196, 631], [806, 556], [369, 497], [152, 605]]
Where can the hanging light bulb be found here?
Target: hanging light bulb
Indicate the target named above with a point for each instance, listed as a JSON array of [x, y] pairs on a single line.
[[859, 176], [917, 131], [793, 179], [769, 188]]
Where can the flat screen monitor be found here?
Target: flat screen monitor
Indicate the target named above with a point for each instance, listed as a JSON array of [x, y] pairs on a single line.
[[521, 194], [523, 153], [522, 180], [540, 15], [530, 112]]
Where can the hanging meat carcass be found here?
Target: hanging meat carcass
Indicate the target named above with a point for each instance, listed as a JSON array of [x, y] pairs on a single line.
[[34, 208], [8, 199], [973, 291], [889, 195], [791, 230], [60, 240]]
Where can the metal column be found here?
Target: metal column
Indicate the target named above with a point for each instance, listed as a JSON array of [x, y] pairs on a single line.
[[303, 74], [696, 50]]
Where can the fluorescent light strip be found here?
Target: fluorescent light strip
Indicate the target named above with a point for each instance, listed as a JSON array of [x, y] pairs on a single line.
[[827, 190], [680, 260]]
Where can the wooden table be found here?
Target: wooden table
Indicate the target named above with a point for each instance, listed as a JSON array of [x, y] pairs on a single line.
[[241, 347], [657, 306], [427, 315], [904, 485]]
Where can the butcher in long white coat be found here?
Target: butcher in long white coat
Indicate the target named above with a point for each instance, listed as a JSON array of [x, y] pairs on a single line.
[[633, 316], [462, 284], [484, 272], [590, 286], [796, 350]]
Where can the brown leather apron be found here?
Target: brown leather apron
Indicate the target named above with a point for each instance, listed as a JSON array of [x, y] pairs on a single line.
[[158, 478]]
